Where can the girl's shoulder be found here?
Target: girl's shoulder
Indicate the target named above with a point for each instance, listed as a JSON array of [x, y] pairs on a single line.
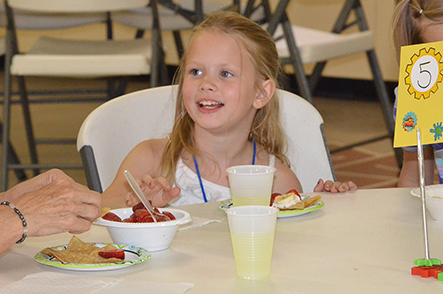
[[285, 178], [152, 148]]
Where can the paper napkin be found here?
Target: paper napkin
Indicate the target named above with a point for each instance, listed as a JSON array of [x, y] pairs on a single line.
[[198, 222], [49, 282]]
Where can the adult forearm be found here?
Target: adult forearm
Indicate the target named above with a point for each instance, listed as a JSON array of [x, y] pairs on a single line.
[[11, 228]]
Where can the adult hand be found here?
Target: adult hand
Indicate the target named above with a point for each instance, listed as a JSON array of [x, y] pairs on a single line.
[[54, 203], [158, 190], [334, 187]]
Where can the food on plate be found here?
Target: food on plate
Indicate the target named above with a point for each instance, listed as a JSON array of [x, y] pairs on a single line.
[[115, 253], [140, 215], [292, 200], [305, 203], [80, 252], [275, 195], [286, 200]]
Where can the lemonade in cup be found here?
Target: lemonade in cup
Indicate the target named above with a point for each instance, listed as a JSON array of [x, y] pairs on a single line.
[[251, 184], [252, 235]]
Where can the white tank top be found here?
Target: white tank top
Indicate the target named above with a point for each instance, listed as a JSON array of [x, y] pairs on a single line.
[[187, 181]]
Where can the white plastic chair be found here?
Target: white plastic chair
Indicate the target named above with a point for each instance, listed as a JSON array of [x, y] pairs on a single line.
[[65, 57], [114, 128]]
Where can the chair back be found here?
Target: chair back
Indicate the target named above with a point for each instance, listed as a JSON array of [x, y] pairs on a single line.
[[117, 126], [114, 128], [77, 6]]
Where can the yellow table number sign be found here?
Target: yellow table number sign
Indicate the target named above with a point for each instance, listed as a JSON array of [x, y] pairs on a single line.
[[420, 95]]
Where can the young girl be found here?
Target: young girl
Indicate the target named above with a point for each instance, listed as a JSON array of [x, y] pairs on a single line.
[[226, 115], [415, 22]]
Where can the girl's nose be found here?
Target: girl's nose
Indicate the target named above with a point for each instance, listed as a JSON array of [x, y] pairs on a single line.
[[207, 84]]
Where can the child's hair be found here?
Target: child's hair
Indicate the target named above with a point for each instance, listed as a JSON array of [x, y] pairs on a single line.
[[266, 129], [411, 17]]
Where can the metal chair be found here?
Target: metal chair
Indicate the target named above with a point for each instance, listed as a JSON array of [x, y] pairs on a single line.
[[300, 45], [66, 58]]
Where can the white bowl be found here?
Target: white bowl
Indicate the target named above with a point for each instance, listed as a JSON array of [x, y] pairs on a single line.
[[434, 200], [435, 207], [151, 236]]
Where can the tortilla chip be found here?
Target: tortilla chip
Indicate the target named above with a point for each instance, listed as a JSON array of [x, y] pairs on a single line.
[[80, 252], [105, 210], [304, 203]]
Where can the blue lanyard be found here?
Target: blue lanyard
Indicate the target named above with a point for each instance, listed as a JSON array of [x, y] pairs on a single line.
[[200, 178]]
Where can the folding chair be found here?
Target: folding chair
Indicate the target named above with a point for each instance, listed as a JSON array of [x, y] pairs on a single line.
[[298, 46], [174, 17], [65, 58], [114, 128]]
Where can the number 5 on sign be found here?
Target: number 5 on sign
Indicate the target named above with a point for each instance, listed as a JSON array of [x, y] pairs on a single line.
[[420, 95]]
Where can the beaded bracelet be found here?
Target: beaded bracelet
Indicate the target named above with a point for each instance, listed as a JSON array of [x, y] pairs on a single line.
[[25, 225]]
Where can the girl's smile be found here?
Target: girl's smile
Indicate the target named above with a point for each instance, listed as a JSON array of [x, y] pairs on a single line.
[[209, 104]]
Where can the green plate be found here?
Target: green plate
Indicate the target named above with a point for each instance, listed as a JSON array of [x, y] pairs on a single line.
[[283, 213], [133, 256]]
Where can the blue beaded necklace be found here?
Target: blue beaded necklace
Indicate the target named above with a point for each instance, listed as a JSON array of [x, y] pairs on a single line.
[[200, 178]]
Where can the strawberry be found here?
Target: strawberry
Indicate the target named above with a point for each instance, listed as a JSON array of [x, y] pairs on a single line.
[[112, 217], [170, 215], [138, 206], [140, 214], [295, 192], [117, 253], [273, 197]]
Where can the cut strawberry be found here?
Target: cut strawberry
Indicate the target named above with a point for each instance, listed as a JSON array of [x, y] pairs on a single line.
[[117, 253], [293, 191], [112, 217], [273, 197]]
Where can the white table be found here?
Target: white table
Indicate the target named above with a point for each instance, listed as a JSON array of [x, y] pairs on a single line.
[[359, 242]]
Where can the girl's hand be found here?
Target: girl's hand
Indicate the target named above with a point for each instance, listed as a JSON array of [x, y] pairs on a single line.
[[158, 190], [336, 187]]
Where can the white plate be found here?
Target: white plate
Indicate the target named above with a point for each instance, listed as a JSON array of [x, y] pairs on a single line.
[[283, 213], [133, 256], [431, 191]]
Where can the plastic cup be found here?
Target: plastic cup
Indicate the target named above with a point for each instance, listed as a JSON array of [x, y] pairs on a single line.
[[251, 184], [252, 236]]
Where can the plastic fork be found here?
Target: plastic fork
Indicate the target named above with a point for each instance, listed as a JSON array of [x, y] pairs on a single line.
[[138, 191]]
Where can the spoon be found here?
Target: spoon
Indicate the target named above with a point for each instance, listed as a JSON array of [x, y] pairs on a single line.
[[138, 191]]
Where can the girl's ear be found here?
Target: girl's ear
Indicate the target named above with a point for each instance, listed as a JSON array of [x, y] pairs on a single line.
[[264, 94]]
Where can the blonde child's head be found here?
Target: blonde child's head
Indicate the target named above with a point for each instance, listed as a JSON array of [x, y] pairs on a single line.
[[412, 18], [266, 129]]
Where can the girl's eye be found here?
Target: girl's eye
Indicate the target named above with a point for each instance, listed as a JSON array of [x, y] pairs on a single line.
[[195, 72], [226, 74]]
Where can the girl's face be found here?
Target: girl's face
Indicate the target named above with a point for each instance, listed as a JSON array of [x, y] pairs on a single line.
[[219, 83], [433, 33]]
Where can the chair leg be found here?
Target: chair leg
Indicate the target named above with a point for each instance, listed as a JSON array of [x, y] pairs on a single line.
[[296, 61], [8, 154], [28, 123], [13, 158], [178, 44]]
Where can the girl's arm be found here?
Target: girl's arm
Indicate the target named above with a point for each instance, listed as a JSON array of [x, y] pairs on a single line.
[[145, 158], [285, 179], [409, 175]]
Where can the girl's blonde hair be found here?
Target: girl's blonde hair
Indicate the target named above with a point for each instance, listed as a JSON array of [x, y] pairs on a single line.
[[266, 129], [411, 17]]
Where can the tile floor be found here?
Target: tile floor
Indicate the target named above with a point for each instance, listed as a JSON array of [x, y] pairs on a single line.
[[370, 166]]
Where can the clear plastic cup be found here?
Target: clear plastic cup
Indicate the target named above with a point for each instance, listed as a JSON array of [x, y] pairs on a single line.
[[251, 184], [252, 236]]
